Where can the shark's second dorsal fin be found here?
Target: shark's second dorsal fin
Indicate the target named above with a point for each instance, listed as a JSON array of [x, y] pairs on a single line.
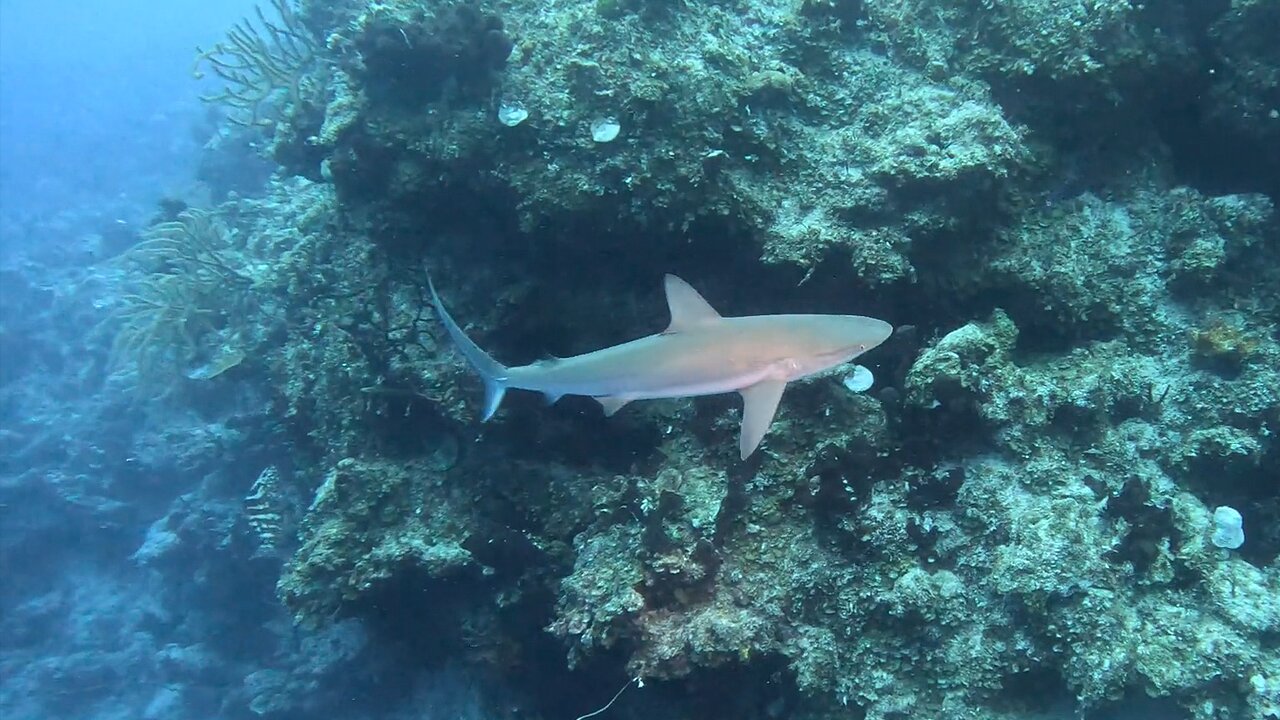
[[688, 308]]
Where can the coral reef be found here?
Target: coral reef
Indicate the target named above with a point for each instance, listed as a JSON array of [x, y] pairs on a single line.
[[385, 519], [1017, 520]]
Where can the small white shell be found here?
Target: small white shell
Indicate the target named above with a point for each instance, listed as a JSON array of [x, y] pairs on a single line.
[[604, 130], [512, 114], [860, 380]]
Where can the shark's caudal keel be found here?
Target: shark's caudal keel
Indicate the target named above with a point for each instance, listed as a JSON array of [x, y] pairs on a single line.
[[700, 353]]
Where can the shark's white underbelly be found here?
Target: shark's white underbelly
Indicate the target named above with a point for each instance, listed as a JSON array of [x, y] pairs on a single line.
[[636, 381]]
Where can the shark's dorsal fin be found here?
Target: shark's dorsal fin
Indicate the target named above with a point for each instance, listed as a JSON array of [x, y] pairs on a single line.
[[688, 308]]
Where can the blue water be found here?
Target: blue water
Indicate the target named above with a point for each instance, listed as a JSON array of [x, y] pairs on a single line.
[[98, 108]]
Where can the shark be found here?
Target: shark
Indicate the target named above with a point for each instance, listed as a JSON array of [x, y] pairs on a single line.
[[700, 352]]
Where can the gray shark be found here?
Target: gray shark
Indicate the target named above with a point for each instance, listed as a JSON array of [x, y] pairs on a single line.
[[700, 353]]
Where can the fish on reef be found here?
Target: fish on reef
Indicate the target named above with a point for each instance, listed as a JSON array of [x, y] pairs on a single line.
[[700, 353]]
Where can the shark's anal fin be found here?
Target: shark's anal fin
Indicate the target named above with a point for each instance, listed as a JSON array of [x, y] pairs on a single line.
[[688, 308], [611, 404], [759, 403]]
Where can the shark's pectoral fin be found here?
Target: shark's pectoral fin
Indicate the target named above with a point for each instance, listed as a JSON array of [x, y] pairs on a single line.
[[611, 404], [551, 398], [759, 403]]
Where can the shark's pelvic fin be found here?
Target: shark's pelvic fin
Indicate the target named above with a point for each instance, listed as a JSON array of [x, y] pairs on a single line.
[[611, 404], [492, 372], [688, 308], [759, 403]]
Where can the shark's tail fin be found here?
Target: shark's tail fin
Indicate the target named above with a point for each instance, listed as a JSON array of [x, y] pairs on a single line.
[[491, 371]]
